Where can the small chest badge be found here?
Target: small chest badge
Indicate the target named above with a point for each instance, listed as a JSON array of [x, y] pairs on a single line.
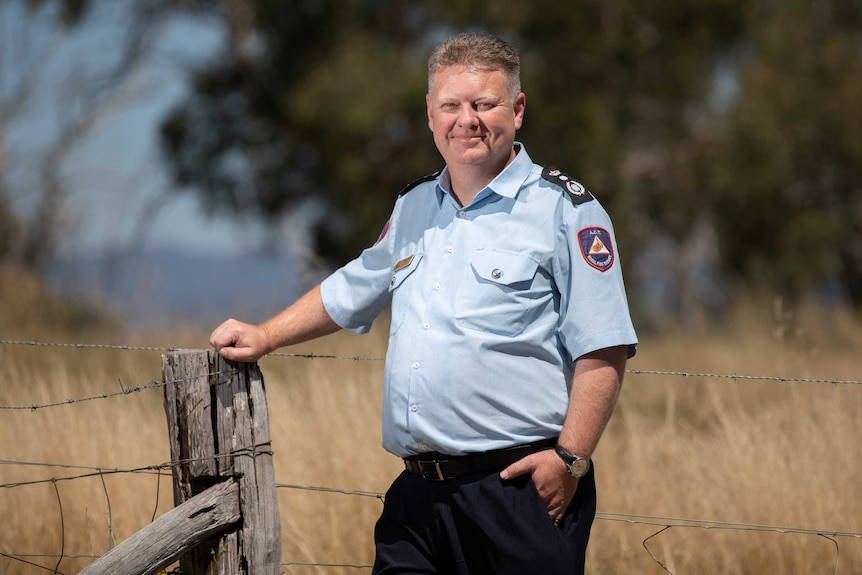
[[597, 247], [403, 263]]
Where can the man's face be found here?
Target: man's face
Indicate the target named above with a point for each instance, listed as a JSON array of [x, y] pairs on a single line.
[[473, 117]]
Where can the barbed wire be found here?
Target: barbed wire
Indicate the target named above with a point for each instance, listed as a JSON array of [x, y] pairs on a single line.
[[372, 494], [21, 559], [667, 523], [157, 384], [735, 376], [664, 523], [120, 347], [153, 384], [261, 449]]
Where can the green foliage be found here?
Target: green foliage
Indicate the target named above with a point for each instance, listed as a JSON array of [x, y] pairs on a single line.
[[793, 139], [743, 115]]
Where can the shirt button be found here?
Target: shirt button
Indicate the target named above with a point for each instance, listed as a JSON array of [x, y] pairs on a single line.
[[496, 273], [450, 249], [437, 287], [424, 447], [416, 365], [414, 408], [462, 214], [426, 325]]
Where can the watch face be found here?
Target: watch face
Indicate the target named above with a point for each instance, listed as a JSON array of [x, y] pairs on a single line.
[[579, 467], [576, 466]]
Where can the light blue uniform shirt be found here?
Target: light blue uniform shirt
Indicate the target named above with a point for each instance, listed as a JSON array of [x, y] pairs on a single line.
[[491, 303]]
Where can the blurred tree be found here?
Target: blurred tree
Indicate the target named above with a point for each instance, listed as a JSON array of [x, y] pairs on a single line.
[[613, 90], [314, 105], [19, 70], [38, 62], [9, 229], [720, 134], [784, 173]]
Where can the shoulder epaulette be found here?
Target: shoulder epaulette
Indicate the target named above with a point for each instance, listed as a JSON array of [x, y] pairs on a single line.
[[421, 180], [577, 192]]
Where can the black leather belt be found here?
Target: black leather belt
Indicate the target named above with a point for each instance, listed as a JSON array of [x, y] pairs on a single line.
[[440, 467]]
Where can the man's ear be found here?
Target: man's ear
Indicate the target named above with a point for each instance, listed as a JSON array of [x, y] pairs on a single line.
[[430, 112], [519, 107]]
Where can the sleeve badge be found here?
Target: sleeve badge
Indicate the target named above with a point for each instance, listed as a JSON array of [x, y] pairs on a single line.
[[597, 247], [384, 231]]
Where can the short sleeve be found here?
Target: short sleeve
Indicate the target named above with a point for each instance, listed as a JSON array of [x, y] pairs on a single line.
[[358, 292], [594, 312]]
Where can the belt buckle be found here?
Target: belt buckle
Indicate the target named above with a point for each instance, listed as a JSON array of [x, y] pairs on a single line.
[[430, 470]]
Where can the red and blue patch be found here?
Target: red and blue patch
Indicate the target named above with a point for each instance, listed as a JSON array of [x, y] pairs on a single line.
[[384, 231], [597, 247]]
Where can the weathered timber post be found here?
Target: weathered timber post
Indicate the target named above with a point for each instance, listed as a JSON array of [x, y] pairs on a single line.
[[218, 427], [174, 534]]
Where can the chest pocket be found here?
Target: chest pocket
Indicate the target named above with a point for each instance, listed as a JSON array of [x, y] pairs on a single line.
[[399, 287], [496, 292]]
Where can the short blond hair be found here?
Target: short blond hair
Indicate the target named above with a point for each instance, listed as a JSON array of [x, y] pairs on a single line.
[[481, 51]]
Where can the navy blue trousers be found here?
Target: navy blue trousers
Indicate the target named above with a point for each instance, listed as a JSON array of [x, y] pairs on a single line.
[[480, 525]]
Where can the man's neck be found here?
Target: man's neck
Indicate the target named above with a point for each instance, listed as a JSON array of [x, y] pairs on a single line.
[[468, 181], [466, 185]]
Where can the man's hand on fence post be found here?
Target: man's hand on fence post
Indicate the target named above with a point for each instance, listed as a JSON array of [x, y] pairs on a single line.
[[238, 341]]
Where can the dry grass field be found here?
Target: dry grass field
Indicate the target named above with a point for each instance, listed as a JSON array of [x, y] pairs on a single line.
[[743, 454]]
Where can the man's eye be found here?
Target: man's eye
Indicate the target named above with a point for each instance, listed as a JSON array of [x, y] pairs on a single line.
[[485, 105]]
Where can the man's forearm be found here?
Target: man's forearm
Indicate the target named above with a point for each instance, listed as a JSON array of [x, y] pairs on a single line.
[[595, 389], [304, 320]]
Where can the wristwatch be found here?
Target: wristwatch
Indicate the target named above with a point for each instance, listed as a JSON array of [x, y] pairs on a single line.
[[576, 466]]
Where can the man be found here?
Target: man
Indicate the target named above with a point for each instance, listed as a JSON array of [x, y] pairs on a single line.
[[508, 340]]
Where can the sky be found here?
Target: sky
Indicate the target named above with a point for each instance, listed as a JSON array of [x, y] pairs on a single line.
[[119, 193]]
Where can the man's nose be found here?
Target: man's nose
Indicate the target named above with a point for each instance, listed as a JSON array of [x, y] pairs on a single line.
[[468, 116]]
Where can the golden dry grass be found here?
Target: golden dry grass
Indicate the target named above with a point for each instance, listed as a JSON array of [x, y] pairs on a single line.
[[741, 451]]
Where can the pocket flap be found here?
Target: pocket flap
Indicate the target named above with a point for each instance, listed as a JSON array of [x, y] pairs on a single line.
[[505, 268]]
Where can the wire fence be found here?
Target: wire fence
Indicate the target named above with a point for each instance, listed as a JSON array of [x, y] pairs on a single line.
[[661, 524]]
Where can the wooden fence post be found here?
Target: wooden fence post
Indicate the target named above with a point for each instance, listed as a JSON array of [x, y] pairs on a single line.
[[174, 534], [219, 429]]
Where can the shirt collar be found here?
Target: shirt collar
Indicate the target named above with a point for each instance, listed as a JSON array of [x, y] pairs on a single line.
[[506, 184]]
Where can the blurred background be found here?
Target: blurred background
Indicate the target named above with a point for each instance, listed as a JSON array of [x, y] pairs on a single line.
[[196, 158], [165, 164]]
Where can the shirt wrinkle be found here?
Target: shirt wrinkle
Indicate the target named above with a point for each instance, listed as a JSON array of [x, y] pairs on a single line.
[[489, 304]]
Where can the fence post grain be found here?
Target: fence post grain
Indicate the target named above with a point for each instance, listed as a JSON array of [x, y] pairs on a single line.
[[218, 427], [174, 534]]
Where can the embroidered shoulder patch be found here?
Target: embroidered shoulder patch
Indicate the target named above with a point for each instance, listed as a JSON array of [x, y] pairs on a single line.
[[406, 189], [421, 180], [384, 231], [577, 192], [597, 247]]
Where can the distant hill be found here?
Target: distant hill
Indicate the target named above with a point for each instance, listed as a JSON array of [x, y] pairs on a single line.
[[167, 287]]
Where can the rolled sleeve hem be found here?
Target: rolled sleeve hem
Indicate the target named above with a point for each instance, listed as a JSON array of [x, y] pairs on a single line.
[[337, 312], [606, 340]]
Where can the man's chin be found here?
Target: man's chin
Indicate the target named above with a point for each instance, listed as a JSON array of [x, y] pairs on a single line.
[[469, 154]]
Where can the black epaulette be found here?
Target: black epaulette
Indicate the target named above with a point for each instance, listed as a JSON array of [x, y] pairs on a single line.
[[423, 179], [577, 192]]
